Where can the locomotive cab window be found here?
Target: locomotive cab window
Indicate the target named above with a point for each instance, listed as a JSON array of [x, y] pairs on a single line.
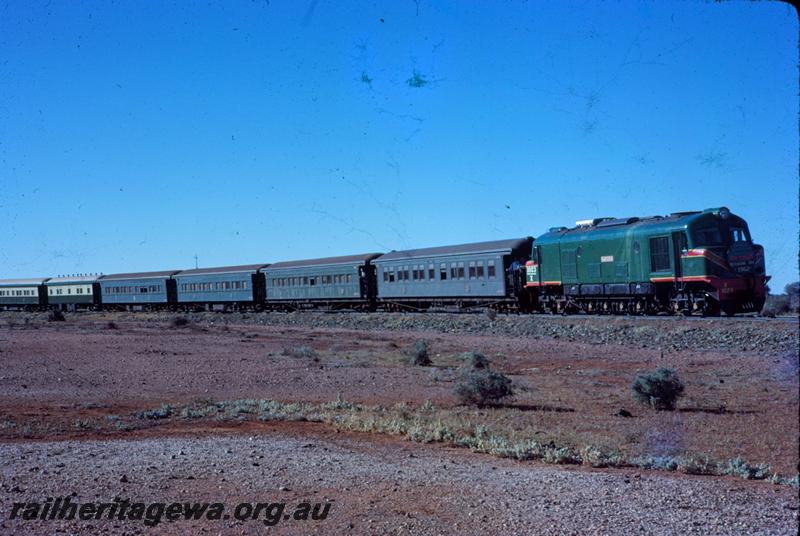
[[709, 236], [738, 234]]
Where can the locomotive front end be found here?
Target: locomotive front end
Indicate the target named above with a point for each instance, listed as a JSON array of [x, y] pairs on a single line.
[[722, 255]]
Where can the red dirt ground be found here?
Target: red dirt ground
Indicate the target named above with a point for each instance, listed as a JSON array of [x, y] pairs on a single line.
[[736, 404]]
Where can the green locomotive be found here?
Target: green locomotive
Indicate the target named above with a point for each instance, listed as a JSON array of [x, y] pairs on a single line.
[[685, 262]]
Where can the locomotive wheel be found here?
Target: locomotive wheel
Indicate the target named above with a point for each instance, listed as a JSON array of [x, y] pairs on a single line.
[[711, 308]]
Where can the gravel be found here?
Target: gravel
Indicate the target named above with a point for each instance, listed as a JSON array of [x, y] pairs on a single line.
[[380, 487], [776, 336]]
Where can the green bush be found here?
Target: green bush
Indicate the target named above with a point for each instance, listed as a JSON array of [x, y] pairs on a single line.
[[418, 354], [776, 304], [659, 389], [481, 387], [792, 291], [300, 351], [476, 360], [180, 322], [739, 467], [781, 304], [158, 413]]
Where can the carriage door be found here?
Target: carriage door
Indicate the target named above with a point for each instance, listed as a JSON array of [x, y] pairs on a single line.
[[679, 249]]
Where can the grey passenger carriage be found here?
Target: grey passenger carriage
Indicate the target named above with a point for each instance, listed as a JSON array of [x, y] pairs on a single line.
[[225, 287], [481, 273], [138, 290], [333, 281]]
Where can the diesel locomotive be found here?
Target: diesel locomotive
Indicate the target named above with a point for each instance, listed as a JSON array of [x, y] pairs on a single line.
[[701, 262]]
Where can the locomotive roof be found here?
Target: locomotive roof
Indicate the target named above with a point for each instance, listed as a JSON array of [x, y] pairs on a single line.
[[224, 269], [23, 282], [347, 259], [474, 247], [139, 275], [674, 221]]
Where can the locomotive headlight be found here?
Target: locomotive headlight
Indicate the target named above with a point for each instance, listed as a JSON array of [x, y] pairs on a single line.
[[724, 213]]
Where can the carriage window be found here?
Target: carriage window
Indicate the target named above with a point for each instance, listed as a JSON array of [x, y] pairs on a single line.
[[636, 248], [461, 270], [480, 270], [443, 272], [431, 272], [490, 269], [659, 254]]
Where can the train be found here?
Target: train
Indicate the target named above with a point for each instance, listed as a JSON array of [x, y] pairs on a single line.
[[696, 262]]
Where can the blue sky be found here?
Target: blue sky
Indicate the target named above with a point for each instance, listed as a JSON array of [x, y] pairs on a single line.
[[134, 135]]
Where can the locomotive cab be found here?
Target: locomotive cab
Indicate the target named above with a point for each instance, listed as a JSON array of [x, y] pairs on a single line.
[[721, 251]]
